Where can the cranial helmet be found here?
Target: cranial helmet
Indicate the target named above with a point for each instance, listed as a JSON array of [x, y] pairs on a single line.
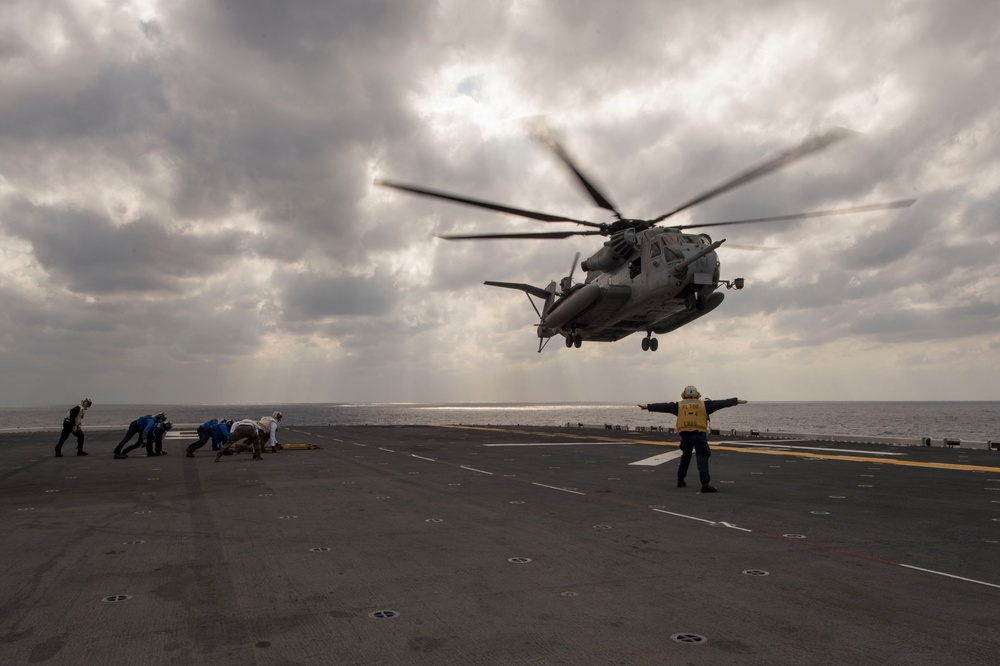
[[690, 392], [86, 403], [161, 417], [168, 425], [276, 416]]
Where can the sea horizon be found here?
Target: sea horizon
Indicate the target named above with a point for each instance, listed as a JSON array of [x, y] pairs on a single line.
[[967, 420]]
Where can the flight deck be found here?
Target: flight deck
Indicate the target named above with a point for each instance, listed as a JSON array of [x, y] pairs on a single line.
[[499, 545]]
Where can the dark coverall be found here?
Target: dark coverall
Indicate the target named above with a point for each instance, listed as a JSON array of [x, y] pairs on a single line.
[[212, 429], [694, 439], [142, 426], [68, 424]]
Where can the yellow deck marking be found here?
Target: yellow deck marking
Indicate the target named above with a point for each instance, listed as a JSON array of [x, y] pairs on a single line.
[[766, 452]]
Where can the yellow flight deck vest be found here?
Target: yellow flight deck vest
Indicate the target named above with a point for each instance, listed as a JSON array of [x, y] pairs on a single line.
[[692, 415]]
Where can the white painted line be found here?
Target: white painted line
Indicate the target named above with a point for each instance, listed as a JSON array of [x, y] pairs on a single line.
[[947, 575], [382, 448], [473, 469], [422, 458], [681, 515], [809, 448], [733, 527], [335, 439], [356, 444], [557, 444], [542, 485], [660, 459]]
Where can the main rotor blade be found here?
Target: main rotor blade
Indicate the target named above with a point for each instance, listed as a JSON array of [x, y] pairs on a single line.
[[541, 234], [545, 135], [544, 217], [812, 145], [906, 203]]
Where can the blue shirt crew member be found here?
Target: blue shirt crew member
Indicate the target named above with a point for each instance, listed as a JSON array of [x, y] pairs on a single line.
[[692, 423], [73, 425], [220, 433], [142, 426], [212, 429], [159, 430]]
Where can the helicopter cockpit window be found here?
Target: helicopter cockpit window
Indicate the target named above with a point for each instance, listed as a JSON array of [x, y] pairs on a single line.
[[654, 249], [670, 244]]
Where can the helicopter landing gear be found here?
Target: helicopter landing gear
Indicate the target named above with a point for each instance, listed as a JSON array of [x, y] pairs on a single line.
[[649, 343], [694, 301], [691, 301], [574, 340]]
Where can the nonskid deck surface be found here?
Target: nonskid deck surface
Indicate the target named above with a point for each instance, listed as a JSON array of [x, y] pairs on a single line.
[[502, 545]]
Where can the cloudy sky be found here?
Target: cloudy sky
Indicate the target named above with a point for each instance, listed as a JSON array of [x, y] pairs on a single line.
[[187, 209]]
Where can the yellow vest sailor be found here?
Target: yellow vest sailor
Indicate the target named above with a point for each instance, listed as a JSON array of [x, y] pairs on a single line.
[[692, 423]]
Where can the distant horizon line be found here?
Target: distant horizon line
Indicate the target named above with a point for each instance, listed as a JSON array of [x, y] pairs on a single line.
[[468, 402]]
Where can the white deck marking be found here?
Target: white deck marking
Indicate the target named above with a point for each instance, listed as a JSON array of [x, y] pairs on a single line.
[[423, 458], [473, 469], [565, 490], [809, 448], [681, 515], [660, 459], [948, 575], [556, 444]]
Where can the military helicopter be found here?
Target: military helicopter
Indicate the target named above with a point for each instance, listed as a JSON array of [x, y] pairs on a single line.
[[645, 278]]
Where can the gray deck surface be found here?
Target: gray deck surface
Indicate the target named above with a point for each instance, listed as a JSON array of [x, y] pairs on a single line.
[[870, 559]]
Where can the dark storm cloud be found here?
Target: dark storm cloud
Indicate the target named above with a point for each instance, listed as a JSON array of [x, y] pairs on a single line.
[[204, 169], [93, 256]]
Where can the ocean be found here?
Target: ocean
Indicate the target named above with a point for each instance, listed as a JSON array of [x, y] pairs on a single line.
[[971, 421]]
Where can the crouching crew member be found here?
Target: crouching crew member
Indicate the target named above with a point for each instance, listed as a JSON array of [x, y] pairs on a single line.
[[269, 424], [214, 429], [142, 426], [246, 429], [73, 424], [159, 430], [692, 424]]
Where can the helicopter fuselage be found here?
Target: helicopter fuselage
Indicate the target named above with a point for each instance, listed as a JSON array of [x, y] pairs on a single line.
[[655, 280]]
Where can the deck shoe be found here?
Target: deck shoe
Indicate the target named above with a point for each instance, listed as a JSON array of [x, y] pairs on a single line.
[[681, 483], [708, 489], [161, 453], [120, 456], [58, 455], [81, 453], [189, 455], [152, 455]]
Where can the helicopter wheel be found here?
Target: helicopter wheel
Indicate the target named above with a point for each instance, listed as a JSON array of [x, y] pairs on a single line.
[[577, 340], [691, 301], [653, 344], [569, 341], [645, 344]]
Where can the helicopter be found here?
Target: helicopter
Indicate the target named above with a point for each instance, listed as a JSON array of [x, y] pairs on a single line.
[[645, 278]]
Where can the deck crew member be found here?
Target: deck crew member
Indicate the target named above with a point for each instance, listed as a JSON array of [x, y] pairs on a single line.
[[270, 426], [73, 424], [214, 429], [247, 429], [159, 430], [692, 424], [142, 426]]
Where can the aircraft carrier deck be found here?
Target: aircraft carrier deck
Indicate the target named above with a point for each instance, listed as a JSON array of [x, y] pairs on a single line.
[[502, 545]]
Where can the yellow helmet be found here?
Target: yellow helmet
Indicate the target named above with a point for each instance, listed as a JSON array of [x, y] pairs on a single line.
[[690, 392]]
